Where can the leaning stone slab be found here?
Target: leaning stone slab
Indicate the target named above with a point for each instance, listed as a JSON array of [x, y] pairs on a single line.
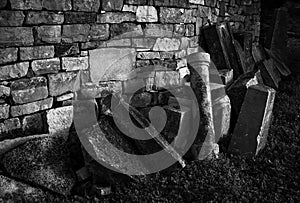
[[251, 131], [270, 74], [42, 162]]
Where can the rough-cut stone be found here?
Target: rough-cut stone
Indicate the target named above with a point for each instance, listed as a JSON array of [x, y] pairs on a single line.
[[129, 8], [125, 30], [75, 33], [116, 17], [143, 43], [43, 162], [11, 18], [61, 83], [59, 120], [167, 79], [26, 4], [176, 15], [105, 63], [4, 91], [146, 14], [86, 5], [201, 2], [226, 76], [159, 30], [92, 45], [45, 66], [36, 52], [3, 3], [48, 34], [13, 71], [29, 90], [16, 36], [250, 133], [4, 111], [10, 128], [80, 17], [166, 44], [33, 124], [44, 17], [75, 63], [99, 32], [65, 97], [112, 5], [57, 5], [31, 107], [210, 3], [119, 43], [8, 55], [66, 49], [148, 55]]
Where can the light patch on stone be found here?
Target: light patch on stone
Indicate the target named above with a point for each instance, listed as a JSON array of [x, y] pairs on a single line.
[[75, 63], [146, 14], [166, 44]]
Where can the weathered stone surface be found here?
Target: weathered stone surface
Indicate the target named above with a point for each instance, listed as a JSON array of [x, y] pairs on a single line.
[[148, 55], [16, 36], [140, 2], [119, 43], [125, 30], [36, 52], [176, 15], [105, 63], [75, 33], [66, 49], [45, 66], [226, 76], [201, 2], [10, 128], [112, 5], [4, 91], [146, 14], [270, 75], [29, 90], [92, 45], [166, 44], [167, 79], [26, 4], [129, 8], [159, 30], [59, 120], [48, 34], [32, 162], [11, 18], [142, 99], [65, 97], [57, 5], [44, 17], [143, 43], [8, 55], [80, 17], [4, 111], [61, 83], [75, 63], [33, 124], [116, 17], [211, 3], [3, 3], [13, 71], [99, 32], [31, 107], [86, 5], [250, 133]]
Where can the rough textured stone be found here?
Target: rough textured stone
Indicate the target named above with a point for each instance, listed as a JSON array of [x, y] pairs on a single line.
[[66, 49], [43, 162], [105, 63], [61, 83], [80, 17], [167, 79], [16, 36], [31, 107], [13, 71], [99, 32], [8, 55], [10, 128], [129, 8], [4, 91], [146, 14], [45, 66], [92, 45], [48, 34], [44, 17], [75, 33], [201, 2], [26, 4], [270, 75], [3, 3], [37, 52], [75, 63], [148, 55], [116, 17], [109, 5], [159, 30], [125, 30], [33, 124], [59, 120], [176, 15], [4, 111], [57, 5], [143, 99], [86, 5], [29, 90], [143, 43], [119, 43], [166, 44], [11, 18]]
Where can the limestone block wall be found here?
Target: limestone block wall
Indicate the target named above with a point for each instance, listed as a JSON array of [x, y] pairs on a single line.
[[45, 43]]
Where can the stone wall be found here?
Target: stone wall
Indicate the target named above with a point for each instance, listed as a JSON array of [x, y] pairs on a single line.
[[45, 43]]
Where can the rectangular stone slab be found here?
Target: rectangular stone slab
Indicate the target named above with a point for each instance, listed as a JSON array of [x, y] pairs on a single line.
[[270, 74], [251, 130]]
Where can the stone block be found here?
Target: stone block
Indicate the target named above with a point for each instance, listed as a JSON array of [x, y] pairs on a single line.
[[80, 17], [36, 52], [3, 3], [211, 3], [116, 17], [201, 2], [143, 43], [66, 49], [119, 43], [270, 75], [86, 5], [11, 18], [61, 83], [129, 8], [57, 5], [92, 45], [44, 66], [250, 133], [29, 90], [17, 70], [75, 63], [8, 55], [26, 4], [107, 88], [33, 124], [4, 91], [44, 17], [105, 63], [159, 30], [167, 79], [136, 2], [4, 111], [65, 97], [176, 15], [75, 33], [99, 32], [126, 30], [226, 76], [167, 44], [48, 34], [59, 120], [259, 54], [146, 14], [16, 36], [148, 55], [112, 5], [10, 128]]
